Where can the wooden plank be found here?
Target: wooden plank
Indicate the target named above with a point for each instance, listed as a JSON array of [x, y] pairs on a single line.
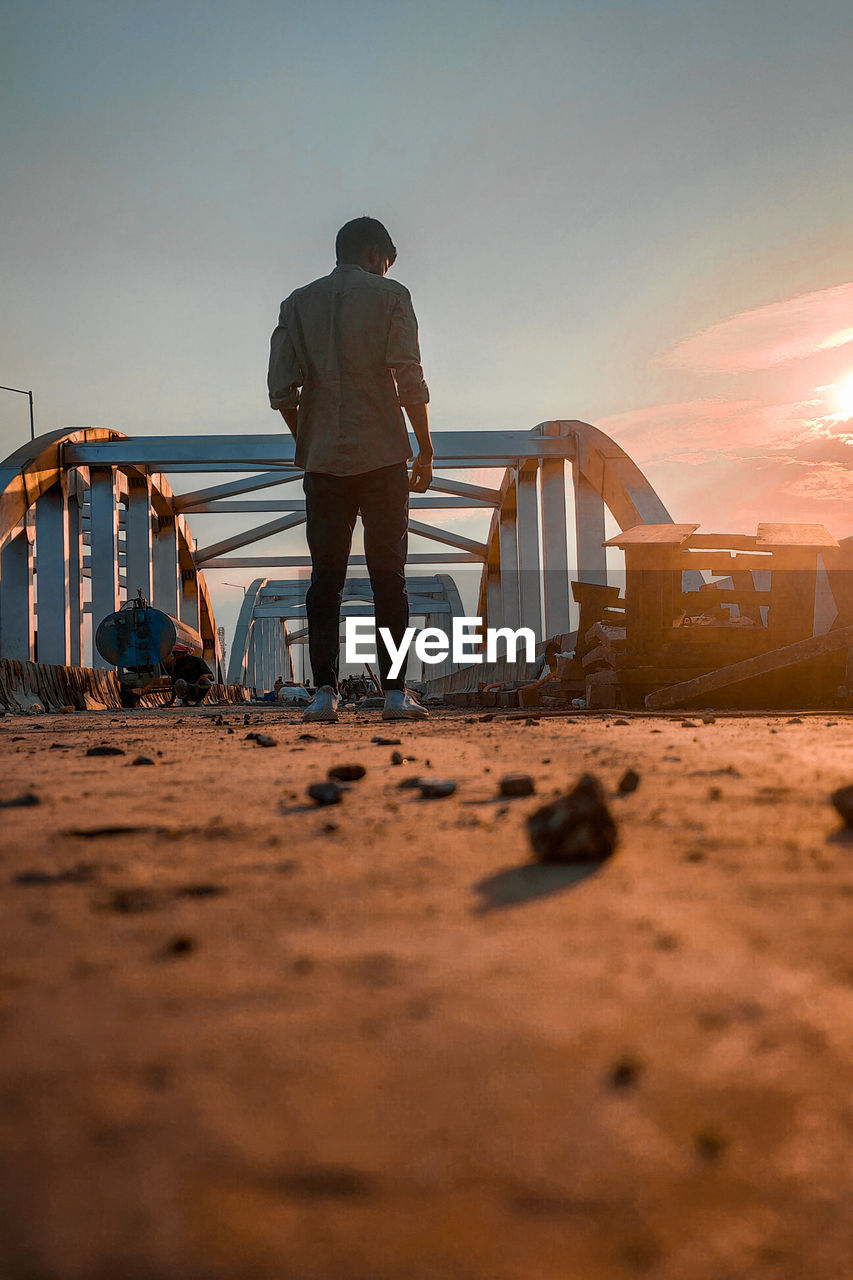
[[723, 541], [722, 561], [662, 535], [721, 595], [794, 535], [774, 660]]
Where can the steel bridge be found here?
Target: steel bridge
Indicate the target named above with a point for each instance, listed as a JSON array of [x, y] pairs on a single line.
[[88, 517]]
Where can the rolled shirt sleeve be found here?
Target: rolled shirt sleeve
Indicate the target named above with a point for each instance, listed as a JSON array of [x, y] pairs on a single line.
[[285, 375], [403, 354]]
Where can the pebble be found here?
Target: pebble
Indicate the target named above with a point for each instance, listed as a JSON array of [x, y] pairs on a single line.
[[843, 801], [264, 739], [24, 801], [409, 782], [624, 1073], [578, 827], [436, 788], [396, 757], [386, 742], [326, 792], [105, 751], [347, 772], [629, 782], [308, 737], [516, 784], [143, 760], [180, 946]]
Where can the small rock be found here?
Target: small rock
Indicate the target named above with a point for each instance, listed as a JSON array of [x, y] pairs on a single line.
[[436, 788], [180, 946], [61, 746], [843, 801], [621, 722], [576, 828], [133, 901], [486, 719], [66, 710], [308, 737], [329, 828], [794, 720], [715, 793], [516, 784], [24, 801], [230, 730], [710, 1143], [326, 792], [396, 757], [624, 1072], [347, 772], [105, 751], [200, 891], [688, 724], [629, 782], [414, 781], [386, 742], [707, 718], [266, 740], [142, 760]]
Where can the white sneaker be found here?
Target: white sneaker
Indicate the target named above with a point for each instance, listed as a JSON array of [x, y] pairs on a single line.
[[323, 706], [400, 705]]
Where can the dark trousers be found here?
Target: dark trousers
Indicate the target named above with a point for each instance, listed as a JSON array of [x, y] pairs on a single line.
[[332, 504]]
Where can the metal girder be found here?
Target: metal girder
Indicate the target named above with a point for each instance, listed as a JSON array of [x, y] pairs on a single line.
[[199, 498], [204, 554], [477, 549], [462, 448], [304, 561], [416, 501]]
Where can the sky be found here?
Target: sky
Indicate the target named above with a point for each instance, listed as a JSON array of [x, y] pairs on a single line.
[[635, 214]]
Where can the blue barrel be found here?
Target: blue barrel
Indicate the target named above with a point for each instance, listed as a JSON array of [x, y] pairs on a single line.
[[143, 637]]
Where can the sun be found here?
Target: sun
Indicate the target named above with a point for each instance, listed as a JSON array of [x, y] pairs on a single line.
[[844, 398]]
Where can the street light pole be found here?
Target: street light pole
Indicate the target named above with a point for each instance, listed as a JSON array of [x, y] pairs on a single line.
[[29, 396]]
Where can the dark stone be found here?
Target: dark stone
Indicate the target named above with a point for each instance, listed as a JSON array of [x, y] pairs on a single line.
[[436, 788], [105, 751], [24, 801], [347, 772], [624, 1073], [265, 740], [80, 873], [133, 901], [516, 784], [386, 742], [843, 801], [140, 760], [200, 891], [577, 827], [180, 946], [308, 737], [629, 782], [330, 792], [710, 1143], [396, 757], [411, 782]]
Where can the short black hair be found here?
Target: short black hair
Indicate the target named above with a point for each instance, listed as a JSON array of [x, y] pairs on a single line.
[[360, 234]]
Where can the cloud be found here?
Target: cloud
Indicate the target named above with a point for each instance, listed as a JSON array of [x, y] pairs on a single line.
[[769, 336], [688, 430]]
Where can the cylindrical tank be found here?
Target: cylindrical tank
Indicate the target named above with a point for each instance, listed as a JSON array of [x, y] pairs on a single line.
[[143, 637]]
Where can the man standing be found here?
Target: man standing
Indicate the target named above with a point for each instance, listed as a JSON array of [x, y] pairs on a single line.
[[350, 342]]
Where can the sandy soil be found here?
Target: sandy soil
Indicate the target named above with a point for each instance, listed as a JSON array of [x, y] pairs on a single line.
[[248, 1038]]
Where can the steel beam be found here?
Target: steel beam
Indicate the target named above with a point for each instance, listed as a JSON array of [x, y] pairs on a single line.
[[166, 565], [555, 547], [17, 615], [248, 536], [52, 538], [589, 530], [138, 542], [104, 557]]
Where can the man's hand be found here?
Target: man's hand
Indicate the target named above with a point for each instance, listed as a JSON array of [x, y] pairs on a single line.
[[421, 477]]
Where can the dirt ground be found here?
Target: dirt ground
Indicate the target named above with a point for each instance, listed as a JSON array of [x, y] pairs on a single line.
[[246, 1038]]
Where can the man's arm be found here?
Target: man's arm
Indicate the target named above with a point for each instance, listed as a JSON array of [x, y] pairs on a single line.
[[290, 416], [285, 375], [422, 470], [403, 357]]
